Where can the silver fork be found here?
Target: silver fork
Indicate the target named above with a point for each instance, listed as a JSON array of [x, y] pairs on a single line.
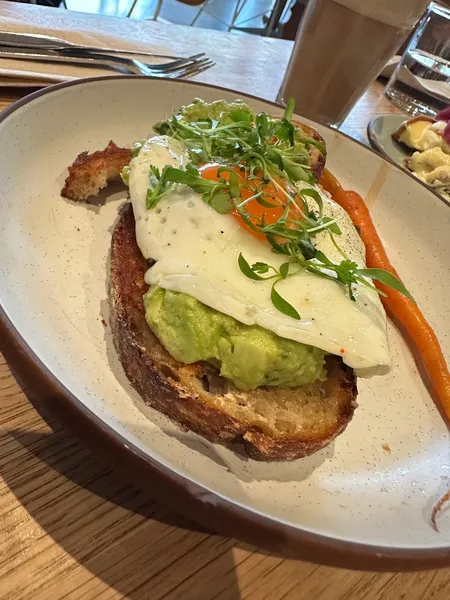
[[129, 65], [135, 65]]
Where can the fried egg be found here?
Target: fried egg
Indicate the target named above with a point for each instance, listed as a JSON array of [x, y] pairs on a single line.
[[196, 252]]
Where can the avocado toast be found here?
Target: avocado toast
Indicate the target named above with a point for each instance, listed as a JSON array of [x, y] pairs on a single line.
[[272, 423], [234, 309]]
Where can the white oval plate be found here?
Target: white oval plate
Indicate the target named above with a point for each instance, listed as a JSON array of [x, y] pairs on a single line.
[[368, 494]]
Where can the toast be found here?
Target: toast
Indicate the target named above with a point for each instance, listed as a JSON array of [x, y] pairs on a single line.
[[272, 424]]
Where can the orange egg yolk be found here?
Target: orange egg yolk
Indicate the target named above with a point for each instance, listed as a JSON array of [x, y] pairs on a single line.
[[255, 210]]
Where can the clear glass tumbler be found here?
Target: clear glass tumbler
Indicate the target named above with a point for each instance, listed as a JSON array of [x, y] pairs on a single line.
[[341, 47], [420, 83]]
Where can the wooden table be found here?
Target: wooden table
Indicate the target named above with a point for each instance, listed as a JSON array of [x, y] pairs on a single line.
[[71, 528]]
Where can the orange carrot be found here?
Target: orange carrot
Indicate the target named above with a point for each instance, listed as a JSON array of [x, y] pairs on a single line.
[[330, 183], [403, 311]]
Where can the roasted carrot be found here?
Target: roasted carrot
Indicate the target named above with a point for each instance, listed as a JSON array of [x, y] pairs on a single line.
[[329, 182], [405, 313]]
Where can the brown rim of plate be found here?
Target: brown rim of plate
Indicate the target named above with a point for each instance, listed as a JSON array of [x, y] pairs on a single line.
[[183, 495]]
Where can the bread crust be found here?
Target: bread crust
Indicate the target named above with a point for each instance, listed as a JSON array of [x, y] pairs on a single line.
[[89, 173], [316, 158], [176, 390]]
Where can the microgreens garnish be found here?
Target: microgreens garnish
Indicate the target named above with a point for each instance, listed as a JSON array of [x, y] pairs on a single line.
[[259, 268], [125, 174], [137, 148], [218, 194], [268, 159], [238, 132]]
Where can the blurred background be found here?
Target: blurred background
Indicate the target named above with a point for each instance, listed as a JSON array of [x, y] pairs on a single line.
[[274, 18]]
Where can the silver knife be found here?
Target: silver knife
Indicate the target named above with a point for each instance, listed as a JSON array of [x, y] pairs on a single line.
[[47, 42], [58, 56]]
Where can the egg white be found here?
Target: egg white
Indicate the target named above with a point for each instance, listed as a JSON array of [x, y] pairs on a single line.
[[196, 251]]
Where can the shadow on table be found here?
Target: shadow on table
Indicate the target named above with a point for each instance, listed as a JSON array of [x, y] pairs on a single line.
[[133, 543]]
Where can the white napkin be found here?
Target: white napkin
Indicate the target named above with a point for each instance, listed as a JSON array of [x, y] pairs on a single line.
[[440, 89], [389, 67], [73, 27]]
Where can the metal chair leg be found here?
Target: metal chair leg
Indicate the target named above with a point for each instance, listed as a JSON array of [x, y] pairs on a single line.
[[133, 6], [237, 11], [155, 14], [199, 12], [157, 10]]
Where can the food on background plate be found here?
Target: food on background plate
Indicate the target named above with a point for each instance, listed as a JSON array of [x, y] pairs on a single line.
[[416, 133], [240, 299], [430, 140]]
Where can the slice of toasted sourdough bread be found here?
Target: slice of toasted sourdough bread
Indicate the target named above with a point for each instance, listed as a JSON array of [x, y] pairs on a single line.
[[271, 423]]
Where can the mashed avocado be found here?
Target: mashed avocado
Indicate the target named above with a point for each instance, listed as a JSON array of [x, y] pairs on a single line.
[[220, 111], [249, 356]]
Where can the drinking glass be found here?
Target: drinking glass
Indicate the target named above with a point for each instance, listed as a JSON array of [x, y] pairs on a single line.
[[420, 83], [341, 47]]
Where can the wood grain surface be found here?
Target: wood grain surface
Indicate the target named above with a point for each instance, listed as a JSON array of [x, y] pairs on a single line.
[[70, 528]]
